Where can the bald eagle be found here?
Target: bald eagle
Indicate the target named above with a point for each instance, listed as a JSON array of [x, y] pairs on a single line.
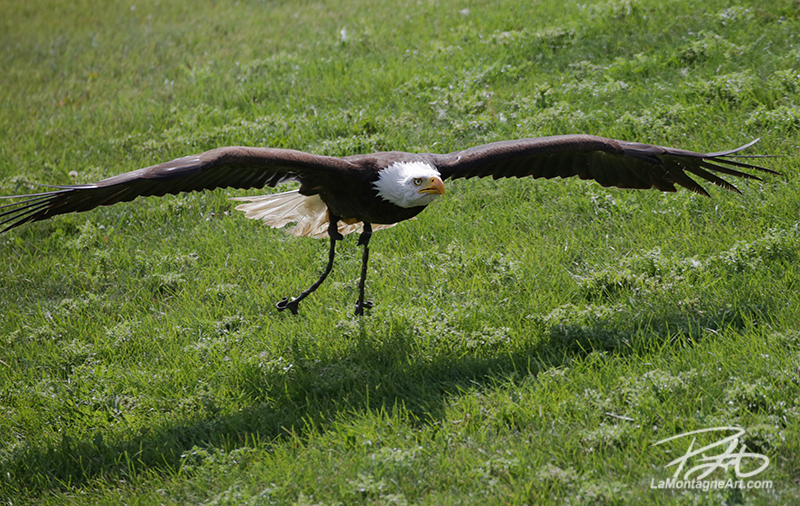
[[363, 193]]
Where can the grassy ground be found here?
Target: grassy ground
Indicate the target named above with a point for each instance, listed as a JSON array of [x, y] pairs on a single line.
[[531, 340]]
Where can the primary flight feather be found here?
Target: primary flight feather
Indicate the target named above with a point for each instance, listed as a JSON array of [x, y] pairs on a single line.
[[338, 196]]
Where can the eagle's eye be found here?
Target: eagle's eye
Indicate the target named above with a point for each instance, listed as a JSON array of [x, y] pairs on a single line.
[[417, 181]]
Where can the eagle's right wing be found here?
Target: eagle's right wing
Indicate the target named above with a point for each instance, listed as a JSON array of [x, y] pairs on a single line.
[[228, 167]]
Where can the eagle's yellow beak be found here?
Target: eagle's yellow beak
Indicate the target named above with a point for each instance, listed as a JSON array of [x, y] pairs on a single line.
[[436, 186]]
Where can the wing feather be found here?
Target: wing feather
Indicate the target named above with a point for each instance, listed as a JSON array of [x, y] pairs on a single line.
[[708, 176], [609, 162], [678, 176], [229, 167]]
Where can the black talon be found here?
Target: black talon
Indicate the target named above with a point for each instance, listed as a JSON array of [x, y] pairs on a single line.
[[367, 304], [292, 305]]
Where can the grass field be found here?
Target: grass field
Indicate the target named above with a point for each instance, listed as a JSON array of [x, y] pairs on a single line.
[[531, 340]]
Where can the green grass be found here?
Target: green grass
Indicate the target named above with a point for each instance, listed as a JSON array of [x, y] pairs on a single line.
[[531, 340]]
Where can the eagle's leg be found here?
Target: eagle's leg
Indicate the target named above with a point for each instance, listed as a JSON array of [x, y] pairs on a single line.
[[363, 241], [293, 305]]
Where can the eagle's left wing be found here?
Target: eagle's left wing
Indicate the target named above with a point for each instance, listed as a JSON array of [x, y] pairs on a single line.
[[609, 162]]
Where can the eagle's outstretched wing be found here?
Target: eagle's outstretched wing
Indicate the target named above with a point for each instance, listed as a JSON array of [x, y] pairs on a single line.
[[230, 167], [609, 162]]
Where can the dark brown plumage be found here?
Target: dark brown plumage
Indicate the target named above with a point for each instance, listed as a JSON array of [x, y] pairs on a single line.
[[362, 189]]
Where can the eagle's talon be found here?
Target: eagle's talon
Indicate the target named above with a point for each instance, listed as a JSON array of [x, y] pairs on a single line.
[[292, 305], [360, 307]]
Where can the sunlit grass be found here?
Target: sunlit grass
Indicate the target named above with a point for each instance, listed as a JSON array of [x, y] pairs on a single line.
[[530, 341]]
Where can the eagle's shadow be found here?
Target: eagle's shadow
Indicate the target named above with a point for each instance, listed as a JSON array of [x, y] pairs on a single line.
[[377, 373]]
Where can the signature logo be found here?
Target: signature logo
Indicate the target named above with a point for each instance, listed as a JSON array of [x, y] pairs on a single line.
[[699, 462]]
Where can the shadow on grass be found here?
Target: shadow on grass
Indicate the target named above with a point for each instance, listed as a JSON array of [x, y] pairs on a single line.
[[377, 373]]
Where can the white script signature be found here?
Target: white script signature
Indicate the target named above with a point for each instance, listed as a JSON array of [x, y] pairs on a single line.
[[729, 457]]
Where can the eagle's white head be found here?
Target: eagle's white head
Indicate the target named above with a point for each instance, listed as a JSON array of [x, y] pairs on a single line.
[[409, 184]]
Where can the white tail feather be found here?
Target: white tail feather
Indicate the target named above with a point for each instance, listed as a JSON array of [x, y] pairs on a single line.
[[310, 213]]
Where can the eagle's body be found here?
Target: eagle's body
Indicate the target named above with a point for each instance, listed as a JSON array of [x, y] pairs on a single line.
[[359, 200], [366, 192]]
